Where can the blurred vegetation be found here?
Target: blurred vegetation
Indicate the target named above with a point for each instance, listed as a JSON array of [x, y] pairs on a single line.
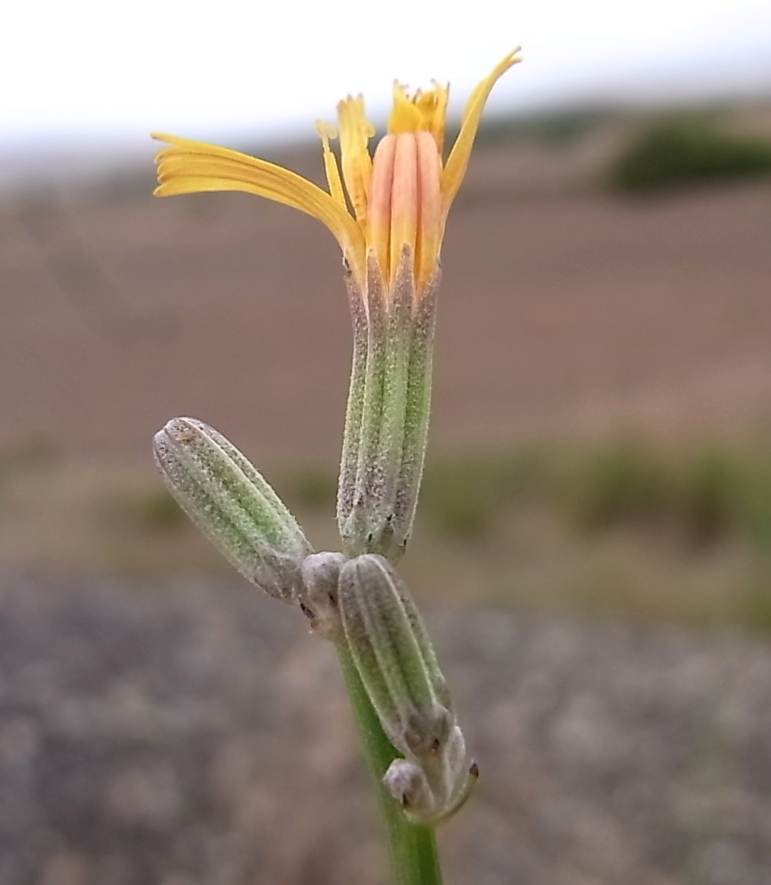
[[310, 487], [557, 126], [464, 496], [687, 149], [613, 528], [150, 508], [700, 495], [616, 528], [33, 450]]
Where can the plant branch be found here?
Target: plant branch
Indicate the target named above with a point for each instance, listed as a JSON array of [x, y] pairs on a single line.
[[412, 848]]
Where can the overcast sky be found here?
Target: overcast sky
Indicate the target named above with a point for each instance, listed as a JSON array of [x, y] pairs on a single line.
[[84, 72]]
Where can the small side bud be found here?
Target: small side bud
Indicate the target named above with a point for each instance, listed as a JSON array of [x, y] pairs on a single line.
[[320, 573], [407, 783], [226, 497]]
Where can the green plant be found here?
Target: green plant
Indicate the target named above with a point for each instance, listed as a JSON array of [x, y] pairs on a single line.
[[156, 509], [311, 486], [390, 238], [686, 150], [623, 482]]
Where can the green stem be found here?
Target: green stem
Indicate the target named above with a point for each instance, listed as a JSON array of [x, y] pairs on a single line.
[[412, 848]]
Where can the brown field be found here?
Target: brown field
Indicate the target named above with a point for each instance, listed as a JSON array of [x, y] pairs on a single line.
[[563, 313]]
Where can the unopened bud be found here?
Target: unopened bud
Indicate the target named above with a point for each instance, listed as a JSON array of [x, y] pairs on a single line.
[[398, 668], [226, 497], [389, 652]]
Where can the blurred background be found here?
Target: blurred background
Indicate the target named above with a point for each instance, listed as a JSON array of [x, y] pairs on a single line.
[[593, 546]]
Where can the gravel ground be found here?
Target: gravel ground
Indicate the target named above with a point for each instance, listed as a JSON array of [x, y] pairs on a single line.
[[195, 734]]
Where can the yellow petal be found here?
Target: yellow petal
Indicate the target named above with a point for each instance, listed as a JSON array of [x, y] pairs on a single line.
[[325, 131], [433, 108], [455, 167], [355, 133], [405, 115], [191, 166]]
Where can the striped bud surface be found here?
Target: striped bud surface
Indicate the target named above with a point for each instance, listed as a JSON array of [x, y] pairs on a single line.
[[227, 498], [389, 403], [398, 668]]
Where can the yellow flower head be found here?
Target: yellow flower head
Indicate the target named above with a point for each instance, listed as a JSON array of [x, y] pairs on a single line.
[[389, 208]]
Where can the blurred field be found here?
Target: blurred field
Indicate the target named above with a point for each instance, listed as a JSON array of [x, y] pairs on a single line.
[[615, 529], [603, 374], [196, 735], [593, 547]]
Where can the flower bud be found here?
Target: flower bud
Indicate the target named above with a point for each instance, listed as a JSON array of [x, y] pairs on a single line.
[[398, 668], [393, 307], [389, 652], [225, 496]]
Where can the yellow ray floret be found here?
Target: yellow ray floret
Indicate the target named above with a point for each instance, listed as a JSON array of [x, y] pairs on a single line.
[[393, 204], [188, 167], [355, 133], [455, 168]]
